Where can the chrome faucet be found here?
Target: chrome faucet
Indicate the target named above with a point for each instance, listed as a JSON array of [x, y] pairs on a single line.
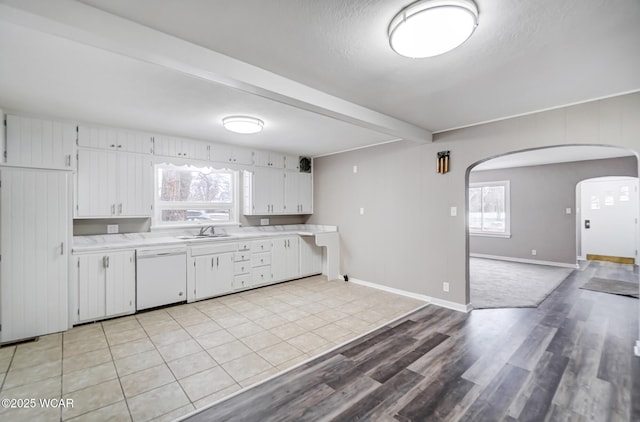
[[205, 229]]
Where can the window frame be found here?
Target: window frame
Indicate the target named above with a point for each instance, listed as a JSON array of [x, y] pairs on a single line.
[[159, 206], [507, 209]]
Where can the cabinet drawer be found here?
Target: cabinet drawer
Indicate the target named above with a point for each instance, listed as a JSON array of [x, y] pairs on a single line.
[[260, 259], [244, 246], [262, 275], [261, 246], [242, 281], [242, 267], [242, 256], [213, 249]]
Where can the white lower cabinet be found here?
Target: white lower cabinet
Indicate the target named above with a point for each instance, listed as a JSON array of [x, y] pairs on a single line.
[[34, 244], [310, 256], [212, 270], [106, 284], [285, 262]]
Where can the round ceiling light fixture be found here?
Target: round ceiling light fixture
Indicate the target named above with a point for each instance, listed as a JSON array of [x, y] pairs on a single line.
[[429, 28], [243, 124]]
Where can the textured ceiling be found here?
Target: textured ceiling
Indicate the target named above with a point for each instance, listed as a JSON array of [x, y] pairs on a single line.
[[525, 56]]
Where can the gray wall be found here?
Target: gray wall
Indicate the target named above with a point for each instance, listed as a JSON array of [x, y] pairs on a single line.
[[539, 196], [407, 238]]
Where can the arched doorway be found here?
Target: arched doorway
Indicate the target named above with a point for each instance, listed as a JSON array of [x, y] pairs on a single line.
[[542, 197]]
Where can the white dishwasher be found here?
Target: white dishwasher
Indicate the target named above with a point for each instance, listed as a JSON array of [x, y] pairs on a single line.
[[161, 276]]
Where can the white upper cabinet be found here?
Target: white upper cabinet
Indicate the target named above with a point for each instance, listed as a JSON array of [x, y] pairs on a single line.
[[264, 191], [268, 159], [168, 146], [231, 155], [114, 139], [113, 184], [292, 162], [40, 143], [298, 193]]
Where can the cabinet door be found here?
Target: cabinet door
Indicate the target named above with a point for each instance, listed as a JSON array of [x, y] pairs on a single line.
[[40, 143], [34, 242], [204, 270], [96, 183], [224, 273], [242, 156], [310, 256], [291, 193], [114, 139], [220, 153], [276, 193], [213, 275], [135, 185], [292, 162], [305, 193], [261, 191], [195, 150], [92, 273], [285, 258], [120, 283]]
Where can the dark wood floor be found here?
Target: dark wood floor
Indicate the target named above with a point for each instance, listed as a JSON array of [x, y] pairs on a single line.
[[570, 359]]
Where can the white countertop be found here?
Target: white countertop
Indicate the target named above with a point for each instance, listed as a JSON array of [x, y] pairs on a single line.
[[171, 238]]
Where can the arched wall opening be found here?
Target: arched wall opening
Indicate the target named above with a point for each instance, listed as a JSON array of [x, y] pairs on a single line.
[[543, 200]]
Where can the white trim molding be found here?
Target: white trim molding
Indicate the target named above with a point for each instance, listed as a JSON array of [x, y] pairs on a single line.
[[434, 301], [525, 261]]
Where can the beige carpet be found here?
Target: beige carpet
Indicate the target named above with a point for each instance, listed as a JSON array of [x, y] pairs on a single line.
[[503, 284]]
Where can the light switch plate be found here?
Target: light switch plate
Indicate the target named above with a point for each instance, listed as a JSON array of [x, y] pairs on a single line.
[[361, 211], [112, 228], [567, 211], [454, 211]]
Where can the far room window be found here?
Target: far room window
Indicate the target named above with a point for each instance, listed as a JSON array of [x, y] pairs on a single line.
[[194, 195], [489, 208]]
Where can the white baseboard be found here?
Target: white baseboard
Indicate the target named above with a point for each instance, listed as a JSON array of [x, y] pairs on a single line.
[[432, 300], [525, 261]]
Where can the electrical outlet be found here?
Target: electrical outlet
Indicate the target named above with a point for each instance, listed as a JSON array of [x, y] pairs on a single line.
[[534, 252], [361, 211], [445, 286], [112, 228], [355, 169], [454, 211], [264, 221]]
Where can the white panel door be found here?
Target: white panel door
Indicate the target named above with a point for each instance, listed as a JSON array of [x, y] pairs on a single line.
[[609, 217], [135, 185], [40, 143], [120, 283], [34, 235], [92, 270], [96, 183]]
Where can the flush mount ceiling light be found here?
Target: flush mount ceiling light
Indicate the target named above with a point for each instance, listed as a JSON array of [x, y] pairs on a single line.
[[242, 124], [428, 28]]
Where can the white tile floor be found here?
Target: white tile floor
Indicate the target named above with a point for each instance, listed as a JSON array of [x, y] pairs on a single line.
[[163, 364]]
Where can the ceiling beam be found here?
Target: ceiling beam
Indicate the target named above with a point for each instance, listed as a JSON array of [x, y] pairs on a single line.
[[87, 25]]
